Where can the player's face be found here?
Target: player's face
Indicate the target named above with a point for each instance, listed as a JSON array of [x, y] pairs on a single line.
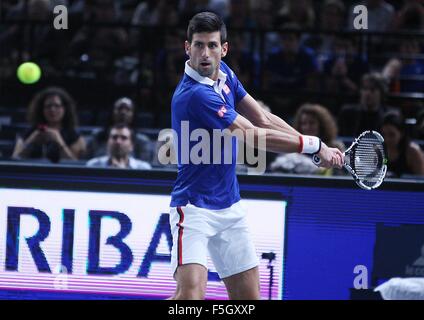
[[205, 52]]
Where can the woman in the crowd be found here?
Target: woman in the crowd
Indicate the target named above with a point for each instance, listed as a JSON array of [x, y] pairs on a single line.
[[314, 120], [419, 126], [405, 156], [52, 135]]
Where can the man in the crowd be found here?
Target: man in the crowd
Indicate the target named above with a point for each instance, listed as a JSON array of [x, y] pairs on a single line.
[[119, 147]]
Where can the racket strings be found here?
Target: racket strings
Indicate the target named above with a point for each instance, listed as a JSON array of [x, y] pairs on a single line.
[[368, 162]]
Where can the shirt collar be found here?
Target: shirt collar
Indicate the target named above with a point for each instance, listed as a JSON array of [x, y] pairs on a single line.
[[130, 164], [204, 80]]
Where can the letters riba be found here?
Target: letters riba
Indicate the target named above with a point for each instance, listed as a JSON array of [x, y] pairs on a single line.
[[14, 215]]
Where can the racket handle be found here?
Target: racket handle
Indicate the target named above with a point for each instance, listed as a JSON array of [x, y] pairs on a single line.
[[316, 160]]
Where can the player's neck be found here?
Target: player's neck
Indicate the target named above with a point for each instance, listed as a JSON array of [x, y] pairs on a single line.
[[214, 76]]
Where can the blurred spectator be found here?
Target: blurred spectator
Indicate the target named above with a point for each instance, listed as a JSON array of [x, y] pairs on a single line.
[[119, 148], [123, 111], [98, 47], [220, 7], [156, 12], [146, 13], [240, 15], [315, 120], [170, 61], [344, 67], [33, 10], [380, 15], [405, 156], [7, 5], [39, 40], [293, 66], [243, 61], [224, 8], [187, 8], [410, 17], [419, 126], [169, 66], [263, 18], [332, 18], [368, 113], [76, 11], [168, 12], [300, 12], [53, 135], [164, 155], [406, 72]]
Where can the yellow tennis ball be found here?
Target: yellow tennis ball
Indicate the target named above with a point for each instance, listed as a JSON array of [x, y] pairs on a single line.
[[29, 72]]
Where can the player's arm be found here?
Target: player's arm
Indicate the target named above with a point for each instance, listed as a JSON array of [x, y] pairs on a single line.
[[278, 141], [261, 118]]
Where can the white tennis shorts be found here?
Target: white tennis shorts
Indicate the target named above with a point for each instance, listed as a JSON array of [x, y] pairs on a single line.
[[224, 233]]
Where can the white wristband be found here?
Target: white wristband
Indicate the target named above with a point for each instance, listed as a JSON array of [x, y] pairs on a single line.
[[309, 144]]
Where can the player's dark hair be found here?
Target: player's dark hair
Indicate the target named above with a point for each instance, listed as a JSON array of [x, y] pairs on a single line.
[[206, 22]]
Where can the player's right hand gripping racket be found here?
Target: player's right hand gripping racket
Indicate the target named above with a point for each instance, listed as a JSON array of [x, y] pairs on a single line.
[[366, 160]]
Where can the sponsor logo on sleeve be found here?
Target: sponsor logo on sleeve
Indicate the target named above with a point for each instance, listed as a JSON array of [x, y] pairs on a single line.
[[222, 111]]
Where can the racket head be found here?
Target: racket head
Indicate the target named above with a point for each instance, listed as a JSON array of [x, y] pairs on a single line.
[[366, 160]]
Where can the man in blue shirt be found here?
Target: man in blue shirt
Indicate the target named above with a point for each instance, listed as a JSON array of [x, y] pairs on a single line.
[[206, 215]]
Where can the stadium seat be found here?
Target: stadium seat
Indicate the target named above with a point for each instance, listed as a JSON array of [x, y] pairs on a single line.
[[10, 131], [6, 148]]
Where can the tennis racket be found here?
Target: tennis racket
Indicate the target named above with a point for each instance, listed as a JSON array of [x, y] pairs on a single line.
[[365, 160]]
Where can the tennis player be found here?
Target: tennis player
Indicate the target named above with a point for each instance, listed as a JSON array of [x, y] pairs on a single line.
[[206, 214]]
